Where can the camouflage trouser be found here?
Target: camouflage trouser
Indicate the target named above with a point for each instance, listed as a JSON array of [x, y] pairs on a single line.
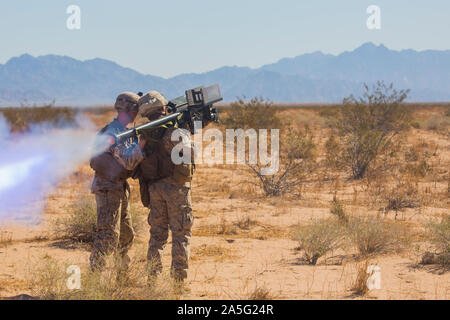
[[114, 229], [170, 207]]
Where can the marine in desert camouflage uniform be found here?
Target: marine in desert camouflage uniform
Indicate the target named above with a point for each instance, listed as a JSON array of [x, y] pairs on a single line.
[[166, 190], [114, 228]]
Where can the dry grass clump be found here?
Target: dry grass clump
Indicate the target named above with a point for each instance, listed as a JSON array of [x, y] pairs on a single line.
[[50, 282], [439, 234], [223, 227], [360, 287], [392, 190], [373, 235], [243, 227], [436, 122], [337, 209], [245, 222], [403, 194], [261, 293], [218, 253], [21, 119], [81, 224], [319, 238]]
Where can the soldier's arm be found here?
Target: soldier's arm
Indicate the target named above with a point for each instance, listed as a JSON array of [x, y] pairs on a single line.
[[129, 156]]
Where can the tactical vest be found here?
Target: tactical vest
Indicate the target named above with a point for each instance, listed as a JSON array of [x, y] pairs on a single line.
[[158, 164]]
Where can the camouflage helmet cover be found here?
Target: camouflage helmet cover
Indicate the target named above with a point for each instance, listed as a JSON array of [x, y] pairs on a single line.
[[151, 102], [126, 102]]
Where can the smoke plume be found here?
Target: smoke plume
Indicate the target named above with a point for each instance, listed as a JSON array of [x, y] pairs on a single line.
[[33, 163]]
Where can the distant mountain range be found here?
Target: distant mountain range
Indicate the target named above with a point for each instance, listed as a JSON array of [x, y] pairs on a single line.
[[312, 77]]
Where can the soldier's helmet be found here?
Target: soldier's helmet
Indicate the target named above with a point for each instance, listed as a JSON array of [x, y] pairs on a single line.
[[127, 101], [152, 103]]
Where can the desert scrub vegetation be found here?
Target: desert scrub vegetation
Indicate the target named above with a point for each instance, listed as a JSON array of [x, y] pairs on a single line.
[[439, 234], [318, 238], [373, 235], [81, 224], [437, 122], [337, 209], [50, 278], [297, 146], [368, 126], [23, 118], [297, 160], [255, 114]]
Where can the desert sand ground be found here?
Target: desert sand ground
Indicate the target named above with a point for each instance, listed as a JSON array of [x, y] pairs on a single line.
[[254, 248]]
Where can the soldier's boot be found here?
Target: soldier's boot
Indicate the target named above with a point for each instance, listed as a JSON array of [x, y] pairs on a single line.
[[122, 265], [97, 261], [179, 285], [154, 269]]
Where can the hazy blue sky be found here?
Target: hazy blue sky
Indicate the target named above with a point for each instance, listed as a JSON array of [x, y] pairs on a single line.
[[170, 37]]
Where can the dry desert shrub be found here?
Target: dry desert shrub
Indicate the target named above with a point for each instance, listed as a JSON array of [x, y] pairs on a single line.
[[439, 234], [373, 235], [402, 194], [318, 238], [255, 114], [369, 126], [437, 122], [81, 224], [394, 189], [296, 163], [50, 280]]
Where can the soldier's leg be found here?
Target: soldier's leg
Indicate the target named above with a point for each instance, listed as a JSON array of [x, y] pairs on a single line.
[[181, 220], [108, 217], [126, 234], [159, 230]]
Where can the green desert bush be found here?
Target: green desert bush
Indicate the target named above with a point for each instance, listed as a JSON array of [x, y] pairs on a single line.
[[369, 126], [319, 238]]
